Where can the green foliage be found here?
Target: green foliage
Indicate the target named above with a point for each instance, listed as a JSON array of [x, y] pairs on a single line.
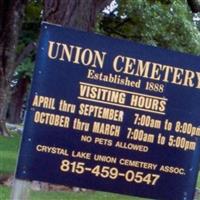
[[163, 23], [25, 69], [29, 34], [31, 23]]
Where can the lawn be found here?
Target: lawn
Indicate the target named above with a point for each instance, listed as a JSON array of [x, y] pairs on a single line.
[[8, 154], [5, 193]]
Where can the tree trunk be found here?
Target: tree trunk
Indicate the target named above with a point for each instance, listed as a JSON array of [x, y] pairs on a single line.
[[4, 94], [194, 5], [17, 101], [11, 15], [77, 14]]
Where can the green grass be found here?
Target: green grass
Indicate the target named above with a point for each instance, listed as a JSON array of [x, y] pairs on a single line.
[[198, 181], [5, 194], [81, 196], [8, 154]]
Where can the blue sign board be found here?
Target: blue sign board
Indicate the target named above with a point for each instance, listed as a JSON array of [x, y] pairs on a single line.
[[112, 115]]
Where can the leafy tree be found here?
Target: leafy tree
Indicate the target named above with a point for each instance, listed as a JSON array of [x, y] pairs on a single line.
[[165, 23]]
